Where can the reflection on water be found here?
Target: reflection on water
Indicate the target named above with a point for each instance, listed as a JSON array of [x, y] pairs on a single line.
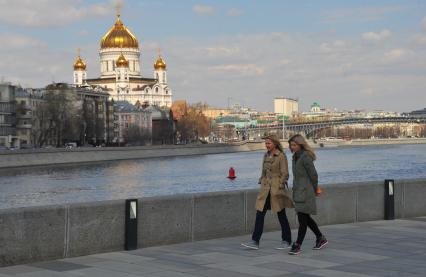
[[177, 175]]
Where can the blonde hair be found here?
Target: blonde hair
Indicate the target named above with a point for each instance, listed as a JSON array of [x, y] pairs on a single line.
[[300, 140], [275, 140]]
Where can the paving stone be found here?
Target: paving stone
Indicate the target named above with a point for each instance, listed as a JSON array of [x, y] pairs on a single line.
[[255, 270], [220, 272], [99, 272], [121, 267], [17, 269], [171, 274], [291, 268], [335, 273], [44, 273], [59, 266], [381, 248]]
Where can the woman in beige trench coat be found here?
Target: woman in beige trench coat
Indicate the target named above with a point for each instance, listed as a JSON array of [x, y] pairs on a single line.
[[273, 193]]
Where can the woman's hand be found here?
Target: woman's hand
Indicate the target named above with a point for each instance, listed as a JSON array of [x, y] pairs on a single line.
[[318, 191]]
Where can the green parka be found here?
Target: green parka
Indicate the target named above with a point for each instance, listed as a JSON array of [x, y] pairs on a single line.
[[305, 182]]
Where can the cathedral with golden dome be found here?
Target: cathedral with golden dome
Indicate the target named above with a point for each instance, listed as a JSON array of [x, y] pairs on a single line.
[[121, 70]]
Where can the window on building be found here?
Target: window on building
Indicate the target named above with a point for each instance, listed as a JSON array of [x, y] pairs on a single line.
[[156, 89]]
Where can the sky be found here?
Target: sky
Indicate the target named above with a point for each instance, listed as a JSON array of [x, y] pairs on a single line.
[[344, 55]]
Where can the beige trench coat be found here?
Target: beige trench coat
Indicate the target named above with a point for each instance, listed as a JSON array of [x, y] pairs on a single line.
[[274, 181]]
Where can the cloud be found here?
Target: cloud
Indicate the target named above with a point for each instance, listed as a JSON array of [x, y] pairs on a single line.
[[203, 9], [423, 23], [14, 41], [396, 54], [235, 12], [363, 14], [83, 33], [239, 69], [367, 91], [221, 51], [330, 47], [48, 13], [376, 37], [419, 39]]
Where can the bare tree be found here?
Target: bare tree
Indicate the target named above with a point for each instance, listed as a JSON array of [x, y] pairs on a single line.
[[135, 135], [193, 124]]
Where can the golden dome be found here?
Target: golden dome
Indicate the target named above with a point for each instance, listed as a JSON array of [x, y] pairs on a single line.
[[160, 64], [121, 61], [119, 37], [79, 63]]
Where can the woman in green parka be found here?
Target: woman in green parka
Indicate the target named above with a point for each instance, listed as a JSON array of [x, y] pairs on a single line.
[[305, 185]]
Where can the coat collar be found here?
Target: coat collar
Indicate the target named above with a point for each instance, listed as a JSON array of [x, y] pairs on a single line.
[[276, 152], [297, 155]]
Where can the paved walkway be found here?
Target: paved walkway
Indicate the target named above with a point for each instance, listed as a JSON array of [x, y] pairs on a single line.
[[379, 248]]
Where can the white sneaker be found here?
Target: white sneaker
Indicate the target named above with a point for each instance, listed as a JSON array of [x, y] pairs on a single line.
[[251, 244], [284, 245]]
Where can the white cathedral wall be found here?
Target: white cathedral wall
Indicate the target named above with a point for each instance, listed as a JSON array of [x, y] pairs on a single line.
[[161, 75], [79, 77], [110, 55], [149, 95]]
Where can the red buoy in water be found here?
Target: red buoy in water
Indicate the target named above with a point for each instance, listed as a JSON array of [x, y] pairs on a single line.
[[232, 173]]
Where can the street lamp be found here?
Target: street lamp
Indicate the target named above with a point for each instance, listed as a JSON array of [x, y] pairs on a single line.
[[131, 224], [283, 120]]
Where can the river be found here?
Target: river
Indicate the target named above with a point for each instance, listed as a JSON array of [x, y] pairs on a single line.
[[204, 173]]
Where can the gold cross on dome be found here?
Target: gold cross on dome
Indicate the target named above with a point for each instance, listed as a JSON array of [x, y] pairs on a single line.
[[118, 8], [78, 52]]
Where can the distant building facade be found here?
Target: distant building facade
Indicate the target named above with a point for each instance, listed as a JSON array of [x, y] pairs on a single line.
[[133, 124], [8, 136], [216, 112], [27, 103], [418, 113], [163, 125], [286, 106]]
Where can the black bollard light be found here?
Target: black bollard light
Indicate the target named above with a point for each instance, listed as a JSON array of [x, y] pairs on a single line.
[[131, 228], [389, 199]]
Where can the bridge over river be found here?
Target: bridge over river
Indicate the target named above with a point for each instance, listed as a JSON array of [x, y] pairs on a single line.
[[310, 128]]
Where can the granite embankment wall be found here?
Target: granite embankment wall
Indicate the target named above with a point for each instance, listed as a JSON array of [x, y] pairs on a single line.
[[51, 232], [43, 157]]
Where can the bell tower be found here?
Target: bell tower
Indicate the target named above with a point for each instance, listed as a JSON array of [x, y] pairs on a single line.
[[80, 74]]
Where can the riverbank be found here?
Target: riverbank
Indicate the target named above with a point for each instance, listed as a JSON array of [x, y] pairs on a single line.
[[53, 157], [62, 156], [370, 142]]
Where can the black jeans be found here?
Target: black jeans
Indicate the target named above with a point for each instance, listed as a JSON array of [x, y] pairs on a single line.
[[305, 220], [260, 220]]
